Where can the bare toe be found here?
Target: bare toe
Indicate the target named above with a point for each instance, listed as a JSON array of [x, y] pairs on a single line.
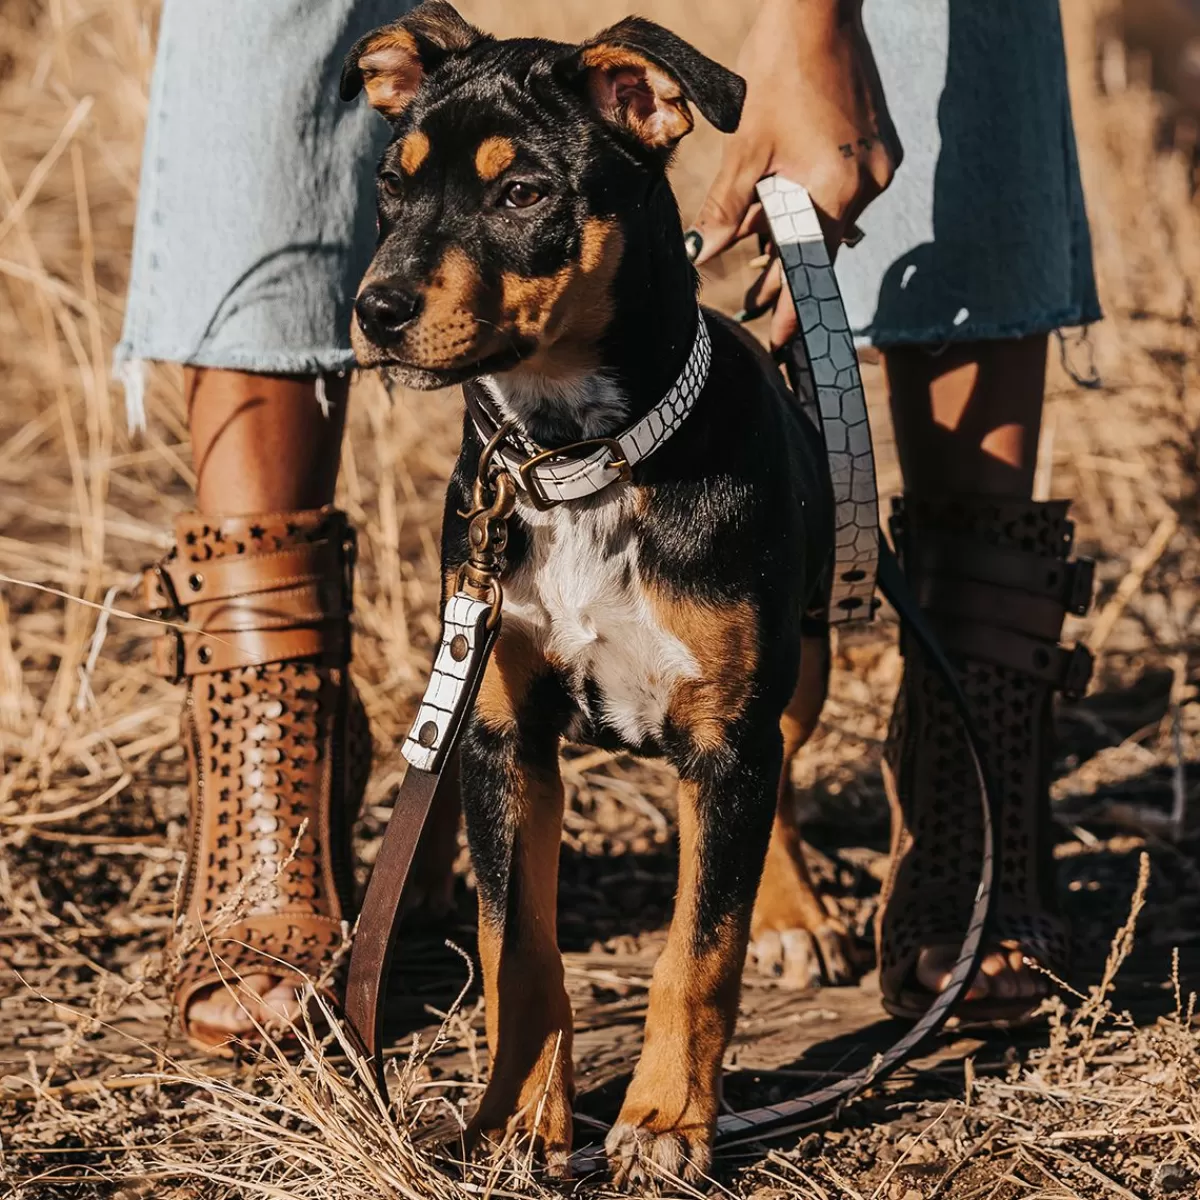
[[239, 1007], [1031, 984], [935, 965], [997, 977], [1005, 973]]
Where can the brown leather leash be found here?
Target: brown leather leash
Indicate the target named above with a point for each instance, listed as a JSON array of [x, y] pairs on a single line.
[[472, 623], [469, 631]]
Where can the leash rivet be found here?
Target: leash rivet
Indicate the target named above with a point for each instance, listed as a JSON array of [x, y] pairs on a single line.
[[204, 654], [195, 582], [458, 647], [427, 734]]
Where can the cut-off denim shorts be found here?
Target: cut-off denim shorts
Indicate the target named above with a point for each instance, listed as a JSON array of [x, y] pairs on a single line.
[[256, 217]]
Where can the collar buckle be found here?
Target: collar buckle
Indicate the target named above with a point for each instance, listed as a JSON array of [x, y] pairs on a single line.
[[536, 491]]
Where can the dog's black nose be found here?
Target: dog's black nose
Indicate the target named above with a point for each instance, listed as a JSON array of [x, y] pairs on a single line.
[[384, 311]]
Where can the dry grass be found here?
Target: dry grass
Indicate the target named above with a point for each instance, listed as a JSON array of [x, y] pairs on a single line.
[[94, 1096]]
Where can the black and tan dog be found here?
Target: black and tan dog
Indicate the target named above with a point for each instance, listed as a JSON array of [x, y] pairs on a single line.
[[528, 234]]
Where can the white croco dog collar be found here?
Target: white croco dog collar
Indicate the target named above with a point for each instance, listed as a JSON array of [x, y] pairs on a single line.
[[550, 477]]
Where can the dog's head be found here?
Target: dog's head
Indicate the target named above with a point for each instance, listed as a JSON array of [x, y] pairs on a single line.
[[516, 173]]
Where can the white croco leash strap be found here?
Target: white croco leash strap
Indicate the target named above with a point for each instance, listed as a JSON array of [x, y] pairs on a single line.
[[574, 472], [824, 373]]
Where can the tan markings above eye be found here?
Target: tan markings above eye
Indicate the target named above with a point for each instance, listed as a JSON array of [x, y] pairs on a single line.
[[494, 156], [413, 151]]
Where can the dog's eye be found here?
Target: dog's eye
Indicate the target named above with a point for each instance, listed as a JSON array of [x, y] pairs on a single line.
[[391, 183], [521, 195]]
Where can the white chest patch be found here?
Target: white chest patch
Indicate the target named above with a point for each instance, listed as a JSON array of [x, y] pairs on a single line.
[[579, 595]]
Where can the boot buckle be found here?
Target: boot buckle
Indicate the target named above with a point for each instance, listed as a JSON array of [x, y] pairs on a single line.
[[164, 586], [1079, 586], [171, 655], [1078, 674], [349, 560]]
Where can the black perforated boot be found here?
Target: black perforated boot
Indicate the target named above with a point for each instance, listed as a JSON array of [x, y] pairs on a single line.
[[995, 578]]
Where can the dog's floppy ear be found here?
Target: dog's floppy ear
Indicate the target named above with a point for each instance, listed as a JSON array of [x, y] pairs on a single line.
[[640, 77], [392, 61]]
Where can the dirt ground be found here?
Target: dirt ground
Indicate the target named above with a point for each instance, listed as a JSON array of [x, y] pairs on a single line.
[[96, 1096]]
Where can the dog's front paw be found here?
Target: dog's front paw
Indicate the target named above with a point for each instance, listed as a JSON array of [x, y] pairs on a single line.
[[644, 1157], [551, 1148], [542, 1125], [803, 958], [529, 1107]]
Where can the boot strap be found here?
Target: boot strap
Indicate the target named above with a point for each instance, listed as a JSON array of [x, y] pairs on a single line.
[[248, 610], [172, 586], [1001, 604], [939, 554], [179, 653], [991, 604], [1066, 670]]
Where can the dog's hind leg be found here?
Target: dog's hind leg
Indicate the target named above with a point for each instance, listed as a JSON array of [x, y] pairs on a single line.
[[513, 798], [791, 935], [665, 1128]]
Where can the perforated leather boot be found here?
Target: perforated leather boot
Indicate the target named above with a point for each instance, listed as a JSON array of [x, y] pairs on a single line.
[[277, 743], [995, 578]]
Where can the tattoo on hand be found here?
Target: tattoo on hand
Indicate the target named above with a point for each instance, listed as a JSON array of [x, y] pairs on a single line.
[[866, 142]]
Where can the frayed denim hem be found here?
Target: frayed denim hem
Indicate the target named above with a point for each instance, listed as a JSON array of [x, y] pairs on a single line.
[[972, 331], [322, 361], [129, 369]]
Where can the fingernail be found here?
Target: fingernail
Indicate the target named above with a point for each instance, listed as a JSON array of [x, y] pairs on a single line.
[[751, 314], [694, 242], [852, 236]]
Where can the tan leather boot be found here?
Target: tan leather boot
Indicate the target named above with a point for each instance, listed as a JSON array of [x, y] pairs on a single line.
[[277, 743], [995, 579]]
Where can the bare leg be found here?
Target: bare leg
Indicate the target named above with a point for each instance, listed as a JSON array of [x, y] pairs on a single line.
[[261, 443], [967, 418]]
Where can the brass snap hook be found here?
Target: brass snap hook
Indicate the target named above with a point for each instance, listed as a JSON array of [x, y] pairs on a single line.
[[487, 473]]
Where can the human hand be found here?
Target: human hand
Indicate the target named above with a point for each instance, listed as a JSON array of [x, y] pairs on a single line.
[[815, 112]]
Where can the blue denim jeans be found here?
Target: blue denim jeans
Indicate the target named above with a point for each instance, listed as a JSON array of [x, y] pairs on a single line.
[[983, 233], [256, 211]]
